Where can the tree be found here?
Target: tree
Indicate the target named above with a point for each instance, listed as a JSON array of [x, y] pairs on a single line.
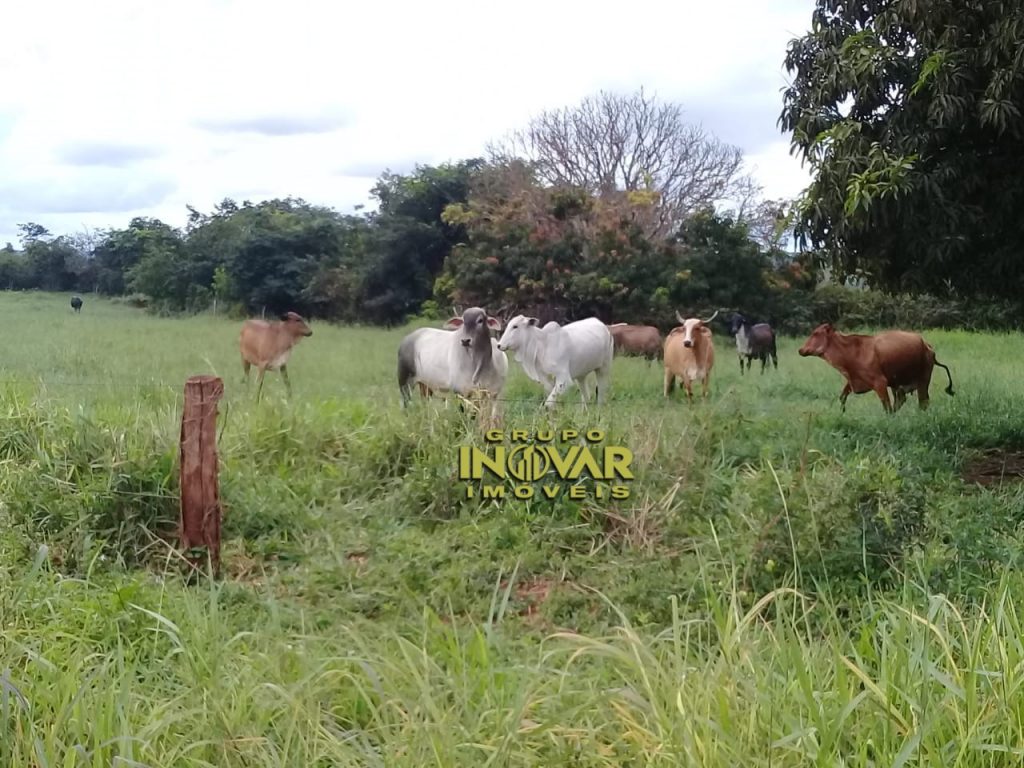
[[409, 241], [119, 250], [910, 116], [611, 142], [32, 232], [563, 253]]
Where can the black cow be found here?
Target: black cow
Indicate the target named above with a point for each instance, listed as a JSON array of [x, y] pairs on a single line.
[[753, 341], [76, 303]]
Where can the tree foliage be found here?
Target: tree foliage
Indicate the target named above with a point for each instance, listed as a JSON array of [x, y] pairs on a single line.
[[909, 114], [409, 240], [611, 142], [562, 253]]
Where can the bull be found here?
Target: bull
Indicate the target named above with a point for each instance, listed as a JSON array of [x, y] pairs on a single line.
[[461, 359]]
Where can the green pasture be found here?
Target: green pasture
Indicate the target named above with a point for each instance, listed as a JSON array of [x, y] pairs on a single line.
[[786, 585]]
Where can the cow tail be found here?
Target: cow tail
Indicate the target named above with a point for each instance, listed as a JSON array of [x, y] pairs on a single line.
[[949, 389]]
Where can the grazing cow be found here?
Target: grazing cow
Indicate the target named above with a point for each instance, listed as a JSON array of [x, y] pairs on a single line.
[[557, 356], [638, 340], [689, 355], [753, 341], [76, 303], [460, 359], [900, 360], [268, 345]]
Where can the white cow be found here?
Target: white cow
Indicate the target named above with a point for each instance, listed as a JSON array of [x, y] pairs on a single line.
[[460, 361], [557, 356]]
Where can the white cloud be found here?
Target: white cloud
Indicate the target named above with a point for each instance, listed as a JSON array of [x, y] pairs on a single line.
[[114, 108]]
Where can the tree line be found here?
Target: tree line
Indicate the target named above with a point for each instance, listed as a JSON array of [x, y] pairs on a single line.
[[605, 208], [615, 206]]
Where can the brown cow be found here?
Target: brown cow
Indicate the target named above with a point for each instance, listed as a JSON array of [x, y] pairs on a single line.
[[900, 360], [639, 340], [689, 355], [268, 345]]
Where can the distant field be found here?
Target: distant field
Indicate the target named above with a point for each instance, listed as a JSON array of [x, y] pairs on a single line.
[[786, 585]]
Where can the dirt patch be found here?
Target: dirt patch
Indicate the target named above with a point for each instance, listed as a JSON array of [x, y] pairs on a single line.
[[530, 595], [995, 467]]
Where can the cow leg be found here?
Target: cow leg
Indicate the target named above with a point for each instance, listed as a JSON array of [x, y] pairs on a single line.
[[602, 379], [899, 397], [689, 389], [670, 382], [287, 383], [764, 364], [584, 386], [558, 389], [706, 385], [922, 389], [843, 395], [882, 390], [741, 365], [246, 365]]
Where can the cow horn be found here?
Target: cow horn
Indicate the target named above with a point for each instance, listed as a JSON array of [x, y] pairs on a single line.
[[680, 318], [711, 318]]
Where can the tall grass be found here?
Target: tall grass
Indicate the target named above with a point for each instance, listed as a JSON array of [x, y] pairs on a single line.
[[786, 585]]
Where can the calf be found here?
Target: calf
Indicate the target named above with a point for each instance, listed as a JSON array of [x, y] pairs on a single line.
[[638, 340], [900, 360], [268, 346], [689, 355], [76, 303], [753, 341]]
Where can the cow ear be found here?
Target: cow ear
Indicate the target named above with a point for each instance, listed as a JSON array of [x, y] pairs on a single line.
[[451, 325], [494, 323]]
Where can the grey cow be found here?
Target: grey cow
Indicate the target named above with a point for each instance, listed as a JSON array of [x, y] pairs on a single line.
[[753, 341]]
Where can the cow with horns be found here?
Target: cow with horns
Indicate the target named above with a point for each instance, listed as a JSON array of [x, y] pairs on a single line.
[[689, 355]]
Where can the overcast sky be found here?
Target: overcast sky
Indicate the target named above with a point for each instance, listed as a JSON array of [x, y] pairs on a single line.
[[112, 109]]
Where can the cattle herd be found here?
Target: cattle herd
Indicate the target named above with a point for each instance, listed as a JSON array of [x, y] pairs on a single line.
[[465, 359]]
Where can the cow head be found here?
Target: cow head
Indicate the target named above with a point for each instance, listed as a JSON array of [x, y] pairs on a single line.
[[296, 325], [516, 331], [694, 328], [736, 322], [474, 324], [818, 342]]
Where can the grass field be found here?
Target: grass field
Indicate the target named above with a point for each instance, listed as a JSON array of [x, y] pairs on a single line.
[[785, 586]]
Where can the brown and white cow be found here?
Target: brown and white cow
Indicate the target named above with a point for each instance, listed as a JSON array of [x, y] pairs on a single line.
[[897, 360], [268, 345], [689, 355], [639, 340]]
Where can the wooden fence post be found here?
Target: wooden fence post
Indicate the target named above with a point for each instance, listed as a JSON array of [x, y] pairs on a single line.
[[200, 497]]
